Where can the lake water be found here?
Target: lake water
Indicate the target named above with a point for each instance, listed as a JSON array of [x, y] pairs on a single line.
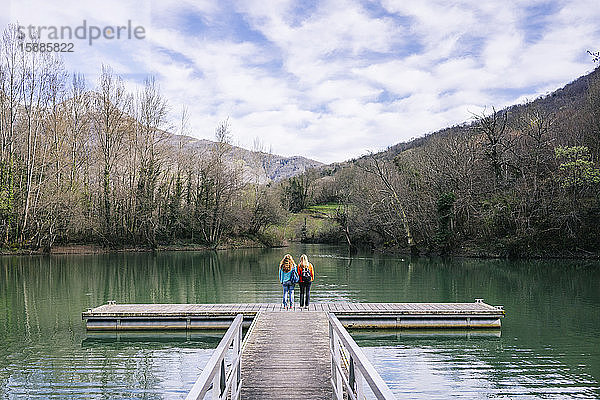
[[548, 347]]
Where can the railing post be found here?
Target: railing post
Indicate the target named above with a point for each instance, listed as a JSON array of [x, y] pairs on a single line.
[[223, 377], [237, 374], [337, 359], [333, 365], [351, 373], [360, 369], [215, 377], [216, 386], [331, 359], [360, 390]]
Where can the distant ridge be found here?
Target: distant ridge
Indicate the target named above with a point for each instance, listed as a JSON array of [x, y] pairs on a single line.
[[257, 165], [569, 97]]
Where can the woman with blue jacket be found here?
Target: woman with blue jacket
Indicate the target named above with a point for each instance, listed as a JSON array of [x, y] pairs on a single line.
[[288, 276]]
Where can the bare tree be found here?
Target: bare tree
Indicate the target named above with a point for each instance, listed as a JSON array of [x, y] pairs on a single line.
[[151, 112], [110, 124], [493, 128], [11, 89], [175, 219], [219, 182], [56, 93], [593, 104], [35, 88], [384, 173], [346, 192], [77, 121], [535, 126]]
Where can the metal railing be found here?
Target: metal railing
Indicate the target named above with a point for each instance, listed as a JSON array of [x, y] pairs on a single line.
[[358, 370], [216, 375]]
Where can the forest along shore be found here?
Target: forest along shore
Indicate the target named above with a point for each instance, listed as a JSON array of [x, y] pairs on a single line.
[[104, 165], [83, 249]]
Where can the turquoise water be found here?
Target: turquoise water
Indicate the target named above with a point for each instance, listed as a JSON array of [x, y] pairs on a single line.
[[548, 347]]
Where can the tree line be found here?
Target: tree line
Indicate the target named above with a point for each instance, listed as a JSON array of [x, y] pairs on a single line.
[[521, 181], [99, 165]]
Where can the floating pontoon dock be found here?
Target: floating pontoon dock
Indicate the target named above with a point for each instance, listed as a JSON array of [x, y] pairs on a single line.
[[114, 316]]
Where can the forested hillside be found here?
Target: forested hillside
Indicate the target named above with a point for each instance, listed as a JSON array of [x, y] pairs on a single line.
[[99, 165], [521, 181]]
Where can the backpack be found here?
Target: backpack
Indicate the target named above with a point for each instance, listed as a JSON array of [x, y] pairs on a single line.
[[306, 276], [294, 277]]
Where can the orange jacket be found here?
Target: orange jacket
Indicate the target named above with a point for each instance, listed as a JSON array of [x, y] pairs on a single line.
[[312, 272]]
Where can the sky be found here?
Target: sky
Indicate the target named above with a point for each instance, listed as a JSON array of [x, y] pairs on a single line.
[[330, 80]]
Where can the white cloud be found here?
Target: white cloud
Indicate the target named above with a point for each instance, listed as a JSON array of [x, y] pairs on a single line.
[[342, 77]]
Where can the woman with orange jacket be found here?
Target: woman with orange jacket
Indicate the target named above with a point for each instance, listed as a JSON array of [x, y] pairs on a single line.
[[306, 272]]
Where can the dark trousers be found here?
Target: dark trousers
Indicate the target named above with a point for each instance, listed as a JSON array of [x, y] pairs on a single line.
[[304, 293]]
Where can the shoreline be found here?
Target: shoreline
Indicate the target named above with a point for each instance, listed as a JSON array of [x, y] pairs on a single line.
[[247, 243], [89, 249]]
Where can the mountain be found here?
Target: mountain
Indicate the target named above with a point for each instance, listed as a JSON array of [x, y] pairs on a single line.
[[563, 102], [521, 182], [257, 165]]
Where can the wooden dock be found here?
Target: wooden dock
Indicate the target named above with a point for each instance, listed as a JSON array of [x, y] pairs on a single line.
[[283, 357], [111, 316], [290, 354]]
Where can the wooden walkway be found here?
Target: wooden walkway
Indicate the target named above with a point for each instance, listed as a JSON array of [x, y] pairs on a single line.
[[284, 357], [352, 315]]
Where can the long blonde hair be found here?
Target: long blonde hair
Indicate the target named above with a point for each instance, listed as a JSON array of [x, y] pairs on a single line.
[[287, 263], [303, 261]]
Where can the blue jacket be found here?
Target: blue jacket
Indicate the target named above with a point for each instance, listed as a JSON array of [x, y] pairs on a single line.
[[286, 276]]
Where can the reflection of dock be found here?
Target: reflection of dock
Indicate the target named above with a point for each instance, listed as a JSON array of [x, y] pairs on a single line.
[[206, 339], [378, 337], [113, 316]]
